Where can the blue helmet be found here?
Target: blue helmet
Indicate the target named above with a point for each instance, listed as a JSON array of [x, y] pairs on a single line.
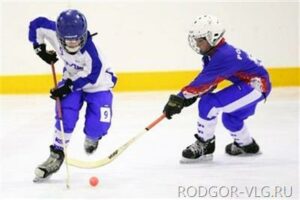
[[71, 30]]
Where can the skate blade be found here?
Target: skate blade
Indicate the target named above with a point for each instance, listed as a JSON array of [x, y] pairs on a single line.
[[201, 159], [39, 176], [40, 180], [246, 154]]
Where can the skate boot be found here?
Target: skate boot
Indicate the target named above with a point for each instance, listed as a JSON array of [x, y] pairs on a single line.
[[235, 149], [50, 166], [90, 145], [198, 151]]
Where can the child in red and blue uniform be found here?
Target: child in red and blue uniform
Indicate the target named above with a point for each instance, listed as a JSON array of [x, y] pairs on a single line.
[[250, 85]]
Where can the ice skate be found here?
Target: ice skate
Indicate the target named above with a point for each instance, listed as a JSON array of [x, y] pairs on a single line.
[[90, 145], [198, 151], [235, 149], [50, 166]]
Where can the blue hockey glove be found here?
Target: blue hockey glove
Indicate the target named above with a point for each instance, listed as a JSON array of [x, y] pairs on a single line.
[[63, 90], [48, 56]]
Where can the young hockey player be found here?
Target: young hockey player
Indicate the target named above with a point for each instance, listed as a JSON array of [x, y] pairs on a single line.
[[250, 85], [85, 79]]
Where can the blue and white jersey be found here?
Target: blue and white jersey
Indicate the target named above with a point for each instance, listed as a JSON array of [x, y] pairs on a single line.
[[85, 68]]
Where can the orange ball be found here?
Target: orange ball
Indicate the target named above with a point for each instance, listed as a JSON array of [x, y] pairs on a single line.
[[94, 181]]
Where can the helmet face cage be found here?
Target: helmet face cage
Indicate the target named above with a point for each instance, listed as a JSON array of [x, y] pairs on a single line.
[[207, 27], [193, 43], [71, 30], [72, 49]]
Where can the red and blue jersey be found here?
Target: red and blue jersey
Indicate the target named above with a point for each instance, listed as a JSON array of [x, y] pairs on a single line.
[[228, 63]]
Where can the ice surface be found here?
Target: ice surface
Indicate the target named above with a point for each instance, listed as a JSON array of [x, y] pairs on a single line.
[[150, 167]]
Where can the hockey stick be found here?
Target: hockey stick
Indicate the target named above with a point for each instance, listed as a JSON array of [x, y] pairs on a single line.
[[59, 113], [114, 154]]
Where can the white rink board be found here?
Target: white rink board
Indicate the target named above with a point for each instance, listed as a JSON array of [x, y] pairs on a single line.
[[136, 35]]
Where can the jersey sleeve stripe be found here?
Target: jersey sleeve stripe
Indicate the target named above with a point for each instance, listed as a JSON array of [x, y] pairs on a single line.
[[40, 22]]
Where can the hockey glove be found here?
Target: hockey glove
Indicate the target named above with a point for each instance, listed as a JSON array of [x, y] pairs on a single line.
[[63, 90], [188, 102], [174, 106], [48, 56]]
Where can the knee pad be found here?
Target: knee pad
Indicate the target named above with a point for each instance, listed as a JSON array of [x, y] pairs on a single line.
[[207, 106], [231, 122], [70, 119], [96, 130]]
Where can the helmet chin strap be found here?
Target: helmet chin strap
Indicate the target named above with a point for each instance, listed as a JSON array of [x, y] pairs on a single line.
[[208, 52], [73, 50], [211, 50]]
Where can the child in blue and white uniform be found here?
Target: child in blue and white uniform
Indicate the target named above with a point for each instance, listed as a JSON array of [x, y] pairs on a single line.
[[86, 78]]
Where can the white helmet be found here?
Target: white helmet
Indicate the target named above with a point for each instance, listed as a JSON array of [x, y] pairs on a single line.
[[208, 27]]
